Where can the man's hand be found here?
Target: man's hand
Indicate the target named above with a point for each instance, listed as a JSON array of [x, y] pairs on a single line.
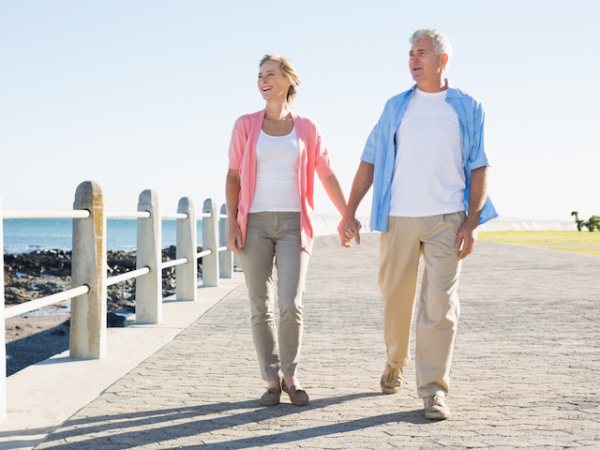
[[467, 237], [349, 228], [234, 238]]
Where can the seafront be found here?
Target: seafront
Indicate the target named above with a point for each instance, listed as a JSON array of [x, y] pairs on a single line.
[[524, 374]]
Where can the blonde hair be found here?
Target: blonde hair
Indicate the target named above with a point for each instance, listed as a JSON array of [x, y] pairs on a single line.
[[288, 70]]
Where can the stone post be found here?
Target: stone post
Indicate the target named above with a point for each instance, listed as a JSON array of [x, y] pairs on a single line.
[[148, 288], [210, 228], [88, 267], [187, 274], [2, 329], [226, 256]]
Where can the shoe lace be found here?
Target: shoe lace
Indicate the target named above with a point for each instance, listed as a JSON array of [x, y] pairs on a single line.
[[436, 400], [392, 374]]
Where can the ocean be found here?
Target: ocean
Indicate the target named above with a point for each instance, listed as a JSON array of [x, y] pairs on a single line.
[[26, 235]]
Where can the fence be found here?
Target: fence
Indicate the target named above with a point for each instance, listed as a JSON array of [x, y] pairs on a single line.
[[89, 266]]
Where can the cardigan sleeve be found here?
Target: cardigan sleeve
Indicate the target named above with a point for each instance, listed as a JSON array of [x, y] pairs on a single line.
[[237, 145], [322, 164]]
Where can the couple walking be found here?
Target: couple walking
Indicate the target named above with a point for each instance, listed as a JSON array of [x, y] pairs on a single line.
[[426, 161]]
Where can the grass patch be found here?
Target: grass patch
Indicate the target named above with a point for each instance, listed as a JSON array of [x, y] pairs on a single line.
[[570, 241]]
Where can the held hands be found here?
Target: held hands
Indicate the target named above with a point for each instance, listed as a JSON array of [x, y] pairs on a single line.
[[467, 237], [349, 228], [234, 238]]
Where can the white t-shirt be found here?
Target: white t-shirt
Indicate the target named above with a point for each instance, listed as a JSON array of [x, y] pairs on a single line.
[[429, 178], [277, 187]]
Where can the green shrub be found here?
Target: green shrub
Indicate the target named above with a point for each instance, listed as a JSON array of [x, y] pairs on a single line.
[[592, 224], [577, 220]]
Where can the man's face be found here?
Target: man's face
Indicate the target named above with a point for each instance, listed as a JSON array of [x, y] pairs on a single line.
[[423, 63]]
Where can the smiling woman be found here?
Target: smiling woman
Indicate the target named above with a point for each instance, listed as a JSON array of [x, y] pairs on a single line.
[[273, 156]]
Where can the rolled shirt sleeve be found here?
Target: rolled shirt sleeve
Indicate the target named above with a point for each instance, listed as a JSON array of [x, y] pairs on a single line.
[[368, 154], [478, 157]]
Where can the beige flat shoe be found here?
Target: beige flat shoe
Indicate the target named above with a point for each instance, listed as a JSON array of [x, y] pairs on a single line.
[[271, 397], [298, 397]]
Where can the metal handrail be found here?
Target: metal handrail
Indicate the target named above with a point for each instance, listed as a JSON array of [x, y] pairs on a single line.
[[204, 253], [71, 214], [31, 305], [222, 249], [127, 276], [174, 262], [128, 215], [44, 214], [203, 215], [174, 216]]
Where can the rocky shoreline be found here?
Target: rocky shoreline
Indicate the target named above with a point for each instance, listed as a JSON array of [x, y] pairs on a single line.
[[40, 273], [31, 338]]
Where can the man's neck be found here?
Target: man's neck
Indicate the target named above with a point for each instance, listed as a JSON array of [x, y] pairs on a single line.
[[432, 86]]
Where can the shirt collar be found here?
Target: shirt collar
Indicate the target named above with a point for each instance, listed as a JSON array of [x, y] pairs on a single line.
[[452, 91]]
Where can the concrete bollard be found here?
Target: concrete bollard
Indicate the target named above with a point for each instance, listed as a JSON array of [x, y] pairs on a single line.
[[2, 329], [88, 267], [226, 256], [187, 274], [148, 288], [210, 228]]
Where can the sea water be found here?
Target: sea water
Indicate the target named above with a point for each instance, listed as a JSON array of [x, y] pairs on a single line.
[[26, 235]]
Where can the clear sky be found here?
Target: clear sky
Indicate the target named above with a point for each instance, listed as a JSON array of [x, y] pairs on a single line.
[[143, 94]]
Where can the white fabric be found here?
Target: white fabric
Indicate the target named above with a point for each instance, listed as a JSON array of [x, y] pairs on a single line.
[[429, 178], [277, 187]]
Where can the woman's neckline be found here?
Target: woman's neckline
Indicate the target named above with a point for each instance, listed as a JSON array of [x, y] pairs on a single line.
[[270, 135]]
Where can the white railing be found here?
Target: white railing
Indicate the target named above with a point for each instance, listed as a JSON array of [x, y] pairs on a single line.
[[89, 266]]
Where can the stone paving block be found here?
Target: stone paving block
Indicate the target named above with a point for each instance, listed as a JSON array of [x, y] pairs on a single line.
[[524, 374]]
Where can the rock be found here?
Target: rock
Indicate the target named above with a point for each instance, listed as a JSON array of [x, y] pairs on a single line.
[[45, 272], [117, 317]]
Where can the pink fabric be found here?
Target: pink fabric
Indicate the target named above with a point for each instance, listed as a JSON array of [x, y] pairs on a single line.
[[312, 157]]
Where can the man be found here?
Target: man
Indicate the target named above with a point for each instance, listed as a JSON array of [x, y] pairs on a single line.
[[427, 163]]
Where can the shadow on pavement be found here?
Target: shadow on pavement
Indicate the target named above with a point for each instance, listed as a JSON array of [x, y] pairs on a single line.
[[37, 347], [177, 423]]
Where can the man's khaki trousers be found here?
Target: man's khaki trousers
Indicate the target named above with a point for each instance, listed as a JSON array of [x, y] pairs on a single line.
[[406, 241]]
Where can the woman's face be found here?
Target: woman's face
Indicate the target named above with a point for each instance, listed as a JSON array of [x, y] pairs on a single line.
[[272, 84]]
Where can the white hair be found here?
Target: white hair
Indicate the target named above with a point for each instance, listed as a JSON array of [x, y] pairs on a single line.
[[441, 43]]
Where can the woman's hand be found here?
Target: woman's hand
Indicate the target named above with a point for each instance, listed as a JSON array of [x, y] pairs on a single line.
[[234, 238], [348, 229]]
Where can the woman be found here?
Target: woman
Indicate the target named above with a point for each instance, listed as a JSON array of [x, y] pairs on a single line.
[[272, 159]]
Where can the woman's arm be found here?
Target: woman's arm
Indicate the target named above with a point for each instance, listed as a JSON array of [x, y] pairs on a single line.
[[334, 192], [232, 192], [362, 183]]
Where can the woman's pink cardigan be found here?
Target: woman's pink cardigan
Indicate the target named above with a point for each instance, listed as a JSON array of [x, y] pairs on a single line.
[[312, 157]]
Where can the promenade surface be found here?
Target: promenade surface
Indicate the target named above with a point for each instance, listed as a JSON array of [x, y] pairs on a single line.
[[525, 373]]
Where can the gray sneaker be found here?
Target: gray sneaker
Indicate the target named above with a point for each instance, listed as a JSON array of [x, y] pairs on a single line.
[[435, 407], [391, 380]]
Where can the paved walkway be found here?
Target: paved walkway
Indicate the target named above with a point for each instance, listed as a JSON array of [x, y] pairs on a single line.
[[525, 371]]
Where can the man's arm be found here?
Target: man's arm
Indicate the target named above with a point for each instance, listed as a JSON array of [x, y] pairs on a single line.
[[348, 227], [467, 235]]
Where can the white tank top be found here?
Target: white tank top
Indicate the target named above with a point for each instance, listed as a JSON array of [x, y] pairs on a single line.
[[277, 187]]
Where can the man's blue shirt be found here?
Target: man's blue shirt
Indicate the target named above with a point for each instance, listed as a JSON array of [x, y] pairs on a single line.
[[380, 149]]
